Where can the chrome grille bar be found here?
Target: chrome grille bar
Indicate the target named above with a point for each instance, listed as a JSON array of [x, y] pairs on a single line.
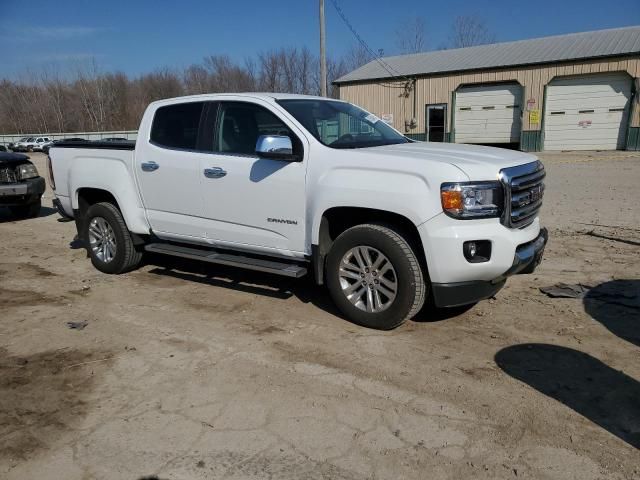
[[8, 175], [523, 190]]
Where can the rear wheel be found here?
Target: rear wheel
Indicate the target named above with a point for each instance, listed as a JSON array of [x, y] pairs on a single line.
[[109, 242], [374, 277], [31, 210]]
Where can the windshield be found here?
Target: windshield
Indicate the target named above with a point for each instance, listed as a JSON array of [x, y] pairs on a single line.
[[342, 125], [30, 139]]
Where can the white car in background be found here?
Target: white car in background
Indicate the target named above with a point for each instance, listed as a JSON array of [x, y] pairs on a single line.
[[31, 144]]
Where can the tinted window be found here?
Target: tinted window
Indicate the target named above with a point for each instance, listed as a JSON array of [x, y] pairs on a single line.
[[240, 125], [176, 126]]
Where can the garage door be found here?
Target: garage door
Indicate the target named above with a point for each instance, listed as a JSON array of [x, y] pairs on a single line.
[[587, 112], [488, 114]]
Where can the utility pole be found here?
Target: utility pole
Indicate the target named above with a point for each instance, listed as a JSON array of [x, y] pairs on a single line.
[[323, 55]]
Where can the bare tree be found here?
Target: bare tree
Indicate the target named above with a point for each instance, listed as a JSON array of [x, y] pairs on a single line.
[[196, 80], [356, 57], [469, 30], [411, 36], [226, 76]]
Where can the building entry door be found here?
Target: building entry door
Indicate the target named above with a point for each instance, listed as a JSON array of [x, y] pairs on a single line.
[[436, 122]]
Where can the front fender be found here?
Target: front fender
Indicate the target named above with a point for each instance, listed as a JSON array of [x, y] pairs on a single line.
[[403, 193]]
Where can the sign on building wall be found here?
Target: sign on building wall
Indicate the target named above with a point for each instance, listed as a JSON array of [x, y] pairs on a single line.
[[534, 116]]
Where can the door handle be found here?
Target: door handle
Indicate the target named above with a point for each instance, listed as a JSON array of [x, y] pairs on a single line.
[[214, 172], [149, 166]]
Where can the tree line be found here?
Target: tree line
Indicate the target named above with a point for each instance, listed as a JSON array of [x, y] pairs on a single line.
[[88, 99]]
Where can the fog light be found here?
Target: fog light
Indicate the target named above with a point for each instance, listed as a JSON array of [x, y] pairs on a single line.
[[471, 249], [477, 251]]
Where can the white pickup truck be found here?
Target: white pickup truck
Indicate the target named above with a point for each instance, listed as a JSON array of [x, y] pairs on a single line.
[[289, 184]]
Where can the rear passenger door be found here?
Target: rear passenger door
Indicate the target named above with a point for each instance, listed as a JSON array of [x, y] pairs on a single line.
[[168, 170]]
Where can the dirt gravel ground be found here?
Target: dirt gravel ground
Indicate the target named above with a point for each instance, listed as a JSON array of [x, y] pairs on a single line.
[[192, 372]]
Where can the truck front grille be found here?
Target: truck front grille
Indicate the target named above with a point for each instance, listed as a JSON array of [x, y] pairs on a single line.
[[523, 190], [8, 175]]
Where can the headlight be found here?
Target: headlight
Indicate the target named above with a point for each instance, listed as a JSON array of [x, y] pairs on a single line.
[[472, 199], [27, 171]]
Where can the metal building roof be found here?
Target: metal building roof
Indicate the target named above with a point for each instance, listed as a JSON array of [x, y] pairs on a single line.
[[574, 46]]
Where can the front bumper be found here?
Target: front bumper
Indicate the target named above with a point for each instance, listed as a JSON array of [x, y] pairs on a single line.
[[22, 193], [527, 257]]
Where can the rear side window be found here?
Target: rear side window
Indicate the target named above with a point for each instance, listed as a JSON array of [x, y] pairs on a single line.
[[176, 126]]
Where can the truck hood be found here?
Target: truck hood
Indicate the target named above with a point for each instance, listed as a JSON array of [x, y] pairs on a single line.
[[7, 158], [477, 162]]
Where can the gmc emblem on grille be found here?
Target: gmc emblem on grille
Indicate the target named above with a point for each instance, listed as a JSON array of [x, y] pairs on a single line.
[[533, 195]]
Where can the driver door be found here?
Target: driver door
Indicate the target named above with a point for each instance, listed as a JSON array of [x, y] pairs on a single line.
[[252, 202]]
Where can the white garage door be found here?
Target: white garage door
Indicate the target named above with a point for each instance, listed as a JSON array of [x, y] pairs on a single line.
[[587, 112], [488, 114]]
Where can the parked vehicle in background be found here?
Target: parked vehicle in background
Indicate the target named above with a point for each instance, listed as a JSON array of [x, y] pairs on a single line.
[[115, 139], [40, 143], [288, 184], [12, 145], [31, 144], [21, 187], [15, 146]]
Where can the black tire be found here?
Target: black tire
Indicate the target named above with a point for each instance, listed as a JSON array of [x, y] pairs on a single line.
[[31, 210], [126, 257], [411, 286]]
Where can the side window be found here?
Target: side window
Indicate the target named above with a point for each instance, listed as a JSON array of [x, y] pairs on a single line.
[[176, 126], [240, 125]]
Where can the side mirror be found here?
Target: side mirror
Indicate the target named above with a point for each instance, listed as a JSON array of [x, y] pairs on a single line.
[[277, 147]]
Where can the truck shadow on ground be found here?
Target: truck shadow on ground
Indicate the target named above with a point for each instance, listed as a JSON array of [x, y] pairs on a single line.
[[269, 285], [241, 280], [616, 305], [7, 216], [606, 396]]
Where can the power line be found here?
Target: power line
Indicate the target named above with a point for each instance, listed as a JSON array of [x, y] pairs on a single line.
[[389, 69]]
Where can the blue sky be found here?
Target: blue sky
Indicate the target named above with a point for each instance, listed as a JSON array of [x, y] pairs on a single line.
[[138, 36]]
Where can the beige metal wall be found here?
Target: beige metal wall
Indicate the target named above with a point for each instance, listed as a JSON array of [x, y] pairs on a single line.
[[382, 97]]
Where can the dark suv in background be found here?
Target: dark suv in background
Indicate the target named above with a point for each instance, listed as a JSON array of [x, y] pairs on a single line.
[[21, 187]]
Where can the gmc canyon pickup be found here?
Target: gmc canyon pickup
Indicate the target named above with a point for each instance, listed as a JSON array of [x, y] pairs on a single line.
[[289, 184]]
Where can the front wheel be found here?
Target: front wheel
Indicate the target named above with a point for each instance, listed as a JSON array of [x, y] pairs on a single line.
[[108, 240], [374, 277]]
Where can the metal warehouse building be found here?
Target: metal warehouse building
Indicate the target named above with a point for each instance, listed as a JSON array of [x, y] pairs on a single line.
[[567, 92]]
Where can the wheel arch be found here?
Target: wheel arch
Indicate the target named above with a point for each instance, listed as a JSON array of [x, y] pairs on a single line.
[[87, 196], [336, 220]]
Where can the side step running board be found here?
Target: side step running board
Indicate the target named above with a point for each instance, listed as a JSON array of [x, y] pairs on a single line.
[[235, 260]]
